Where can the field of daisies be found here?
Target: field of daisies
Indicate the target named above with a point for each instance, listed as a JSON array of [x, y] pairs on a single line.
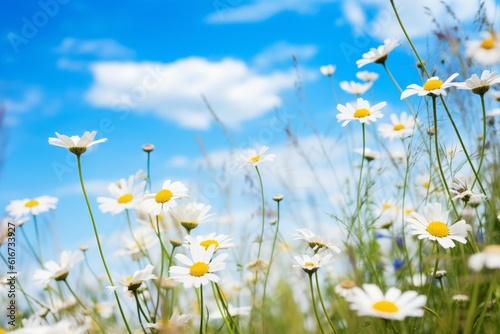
[[414, 245]]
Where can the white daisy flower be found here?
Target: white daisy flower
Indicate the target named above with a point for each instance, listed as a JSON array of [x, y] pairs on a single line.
[[127, 194], [367, 76], [311, 264], [57, 271], [489, 258], [234, 311], [327, 70], [75, 144], [460, 298], [433, 87], [495, 94], [200, 269], [132, 283], [164, 199], [427, 185], [142, 240], [378, 55], [259, 265], [461, 189], [418, 279], [361, 111], [176, 323], [400, 127], [433, 226], [493, 112], [479, 85], [35, 206], [393, 305], [253, 158], [355, 88], [485, 51], [190, 215], [316, 243], [370, 154], [345, 288], [105, 309], [220, 241]]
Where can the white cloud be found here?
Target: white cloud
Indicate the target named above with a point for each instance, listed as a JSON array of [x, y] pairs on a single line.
[[178, 161], [174, 91], [92, 187], [413, 14], [281, 52], [354, 14], [29, 100], [102, 48], [260, 10]]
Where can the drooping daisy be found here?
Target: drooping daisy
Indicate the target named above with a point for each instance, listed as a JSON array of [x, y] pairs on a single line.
[[433, 87], [310, 264], [315, 242], [485, 51], [378, 55], [191, 215], [327, 70], [200, 269], [361, 111], [489, 258], [127, 194], [345, 288], [22, 207], [220, 241], [432, 225], [369, 154], [461, 189], [479, 85], [355, 88], [393, 305], [57, 271], [132, 283], [495, 94], [367, 76], [253, 158], [256, 266], [164, 199], [400, 127], [75, 144]]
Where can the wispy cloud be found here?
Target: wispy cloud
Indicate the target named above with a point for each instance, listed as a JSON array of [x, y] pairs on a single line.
[[101, 48], [174, 91], [282, 52], [260, 10]]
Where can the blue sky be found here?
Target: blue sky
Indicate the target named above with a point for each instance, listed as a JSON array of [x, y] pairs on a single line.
[[135, 72]]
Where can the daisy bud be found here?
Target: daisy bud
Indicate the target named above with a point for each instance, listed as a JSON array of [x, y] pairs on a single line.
[[148, 148], [175, 242], [278, 198]]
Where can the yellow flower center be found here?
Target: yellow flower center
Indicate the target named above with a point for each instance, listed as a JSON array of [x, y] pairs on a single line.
[[198, 269], [438, 229], [208, 243], [488, 44], [255, 158], [360, 113], [386, 206], [347, 284], [127, 279], [492, 249], [385, 306], [163, 196], [398, 127], [127, 198], [433, 84], [31, 203], [2, 331], [426, 184], [98, 308], [309, 264]]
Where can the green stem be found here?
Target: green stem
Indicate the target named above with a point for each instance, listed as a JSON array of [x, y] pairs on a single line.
[[139, 311], [96, 234], [37, 233], [481, 157], [219, 299], [149, 172], [83, 306], [314, 304], [438, 157], [30, 246], [323, 304], [263, 211], [431, 283], [201, 309], [271, 257], [489, 295]]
